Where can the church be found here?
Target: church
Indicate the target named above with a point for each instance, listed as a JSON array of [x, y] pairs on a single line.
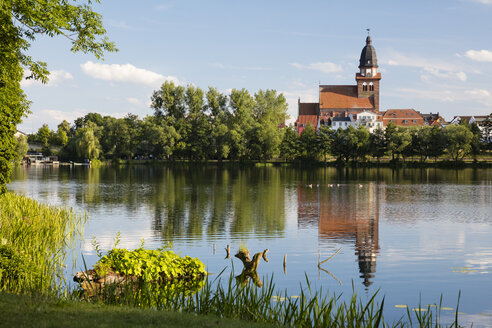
[[340, 104]]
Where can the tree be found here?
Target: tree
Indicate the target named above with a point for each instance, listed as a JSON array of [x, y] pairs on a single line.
[[476, 142], [362, 146], [378, 145], [156, 139], [44, 134], [169, 100], [241, 121], [21, 147], [459, 139], [219, 123], [199, 135], [398, 138], [340, 147], [61, 137], [308, 145], [20, 23], [289, 147], [216, 102], [325, 139], [437, 142], [269, 112], [87, 145]]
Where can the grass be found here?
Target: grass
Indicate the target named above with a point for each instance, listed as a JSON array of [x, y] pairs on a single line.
[[34, 241], [42, 311]]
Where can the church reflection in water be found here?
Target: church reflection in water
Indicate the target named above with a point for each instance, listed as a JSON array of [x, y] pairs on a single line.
[[345, 213]]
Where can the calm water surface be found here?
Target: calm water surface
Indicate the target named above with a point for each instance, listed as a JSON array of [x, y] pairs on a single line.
[[410, 233]]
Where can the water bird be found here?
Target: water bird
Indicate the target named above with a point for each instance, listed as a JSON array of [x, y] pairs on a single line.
[[360, 186], [309, 185], [330, 185], [338, 185]]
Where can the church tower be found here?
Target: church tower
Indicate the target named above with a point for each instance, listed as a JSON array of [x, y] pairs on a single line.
[[368, 77]]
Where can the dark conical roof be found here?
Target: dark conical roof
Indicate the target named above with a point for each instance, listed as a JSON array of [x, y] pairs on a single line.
[[368, 55]]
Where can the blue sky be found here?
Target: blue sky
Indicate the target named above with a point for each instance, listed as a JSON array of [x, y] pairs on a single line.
[[434, 56]]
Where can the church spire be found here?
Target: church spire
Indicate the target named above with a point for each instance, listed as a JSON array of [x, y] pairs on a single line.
[[368, 57]]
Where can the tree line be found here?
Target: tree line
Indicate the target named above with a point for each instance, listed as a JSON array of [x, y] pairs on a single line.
[[189, 123], [400, 143]]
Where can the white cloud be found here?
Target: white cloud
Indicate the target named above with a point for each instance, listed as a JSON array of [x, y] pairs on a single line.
[[432, 72], [479, 55], [480, 96], [134, 101], [56, 77], [485, 2], [430, 69], [125, 73], [325, 67]]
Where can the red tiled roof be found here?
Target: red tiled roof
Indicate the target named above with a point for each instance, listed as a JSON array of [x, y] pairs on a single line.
[[308, 119], [308, 108], [403, 117], [342, 97]]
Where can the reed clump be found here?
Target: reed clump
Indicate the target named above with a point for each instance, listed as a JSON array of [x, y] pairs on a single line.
[[34, 243]]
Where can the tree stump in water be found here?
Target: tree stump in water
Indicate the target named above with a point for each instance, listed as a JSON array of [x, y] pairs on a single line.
[[250, 266]]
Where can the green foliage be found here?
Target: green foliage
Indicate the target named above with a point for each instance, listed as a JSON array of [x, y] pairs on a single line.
[[43, 135], [86, 143], [289, 148], [13, 266], [459, 139], [397, 138], [34, 238], [21, 147], [308, 146], [378, 144], [20, 23], [150, 265]]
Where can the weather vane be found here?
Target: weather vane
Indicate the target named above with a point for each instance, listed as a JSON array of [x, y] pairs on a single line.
[[368, 30]]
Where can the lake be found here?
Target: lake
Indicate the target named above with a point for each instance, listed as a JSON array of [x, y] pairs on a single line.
[[412, 234]]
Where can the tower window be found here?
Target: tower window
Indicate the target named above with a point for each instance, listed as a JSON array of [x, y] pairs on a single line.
[[371, 86], [364, 87]]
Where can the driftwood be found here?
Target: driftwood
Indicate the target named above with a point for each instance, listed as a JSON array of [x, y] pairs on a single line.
[[250, 266]]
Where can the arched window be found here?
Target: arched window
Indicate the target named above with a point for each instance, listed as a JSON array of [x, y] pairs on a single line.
[[364, 86], [371, 86]]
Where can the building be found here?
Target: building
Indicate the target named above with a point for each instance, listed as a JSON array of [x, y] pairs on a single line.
[[342, 100], [308, 113], [370, 120], [343, 122], [484, 123], [402, 117], [433, 119]]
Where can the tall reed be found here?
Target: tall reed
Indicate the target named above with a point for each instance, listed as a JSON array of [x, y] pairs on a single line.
[[37, 237], [230, 299]]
